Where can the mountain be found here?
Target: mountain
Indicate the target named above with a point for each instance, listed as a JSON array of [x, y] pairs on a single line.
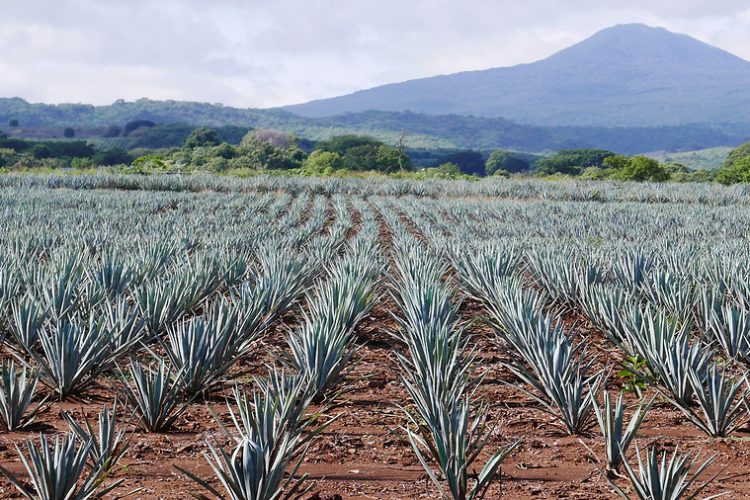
[[627, 75]]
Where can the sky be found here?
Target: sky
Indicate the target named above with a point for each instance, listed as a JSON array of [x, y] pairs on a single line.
[[250, 53]]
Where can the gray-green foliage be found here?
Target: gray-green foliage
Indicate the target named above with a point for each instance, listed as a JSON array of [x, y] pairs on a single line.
[[58, 470], [108, 443], [663, 478], [617, 437], [154, 394], [17, 391], [272, 437]]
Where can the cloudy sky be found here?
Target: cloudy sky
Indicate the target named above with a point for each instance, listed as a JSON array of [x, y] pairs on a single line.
[[259, 53]]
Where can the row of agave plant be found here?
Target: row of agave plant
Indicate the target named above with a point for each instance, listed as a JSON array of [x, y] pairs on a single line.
[[578, 191], [679, 362], [69, 325], [273, 428], [448, 427]]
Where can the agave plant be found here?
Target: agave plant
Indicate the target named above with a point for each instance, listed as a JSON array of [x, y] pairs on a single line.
[[252, 472], [124, 323], [564, 277], [60, 293], [161, 304], [74, 354], [155, 395], [514, 309], [609, 309], [28, 319], [658, 479], [671, 293], [114, 277], [453, 441], [436, 375], [256, 310], [276, 408], [321, 350], [721, 398], [674, 365], [632, 269], [729, 326], [664, 344], [346, 296], [17, 389], [484, 269], [10, 287], [108, 444], [617, 437], [272, 434], [204, 348], [285, 277], [57, 470]]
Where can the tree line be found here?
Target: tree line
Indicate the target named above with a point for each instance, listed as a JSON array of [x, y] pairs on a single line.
[[243, 151]]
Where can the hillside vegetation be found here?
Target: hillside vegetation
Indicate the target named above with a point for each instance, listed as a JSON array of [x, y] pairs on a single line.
[[178, 119]]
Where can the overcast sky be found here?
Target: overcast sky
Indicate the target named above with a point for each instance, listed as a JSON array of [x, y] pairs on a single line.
[[252, 53]]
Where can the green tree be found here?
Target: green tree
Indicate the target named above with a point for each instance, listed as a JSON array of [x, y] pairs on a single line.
[[572, 161], [114, 156], [470, 162], [642, 169], [389, 159], [69, 133], [224, 150], [13, 123], [262, 155], [737, 171], [323, 163], [737, 154], [737, 166], [505, 160], [202, 136], [363, 153], [148, 163], [40, 151]]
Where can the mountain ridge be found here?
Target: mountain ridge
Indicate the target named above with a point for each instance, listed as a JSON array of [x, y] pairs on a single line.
[[626, 75], [430, 131]]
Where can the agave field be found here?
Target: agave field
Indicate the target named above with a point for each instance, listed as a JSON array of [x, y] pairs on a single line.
[[268, 338]]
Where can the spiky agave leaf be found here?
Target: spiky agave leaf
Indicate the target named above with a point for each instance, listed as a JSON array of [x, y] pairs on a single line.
[[658, 479], [721, 399], [204, 348], [551, 365], [73, 354], [155, 394], [276, 407], [28, 319], [56, 471], [17, 389], [273, 433], [453, 440], [252, 472], [617, 437], [729, 326], [108, 444]]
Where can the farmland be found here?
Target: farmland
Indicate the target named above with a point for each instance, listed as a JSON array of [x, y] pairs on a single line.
[[375, 338]]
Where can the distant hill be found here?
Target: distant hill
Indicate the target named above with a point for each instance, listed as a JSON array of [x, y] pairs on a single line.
[[424, 131], [627, 75], [709, 159]]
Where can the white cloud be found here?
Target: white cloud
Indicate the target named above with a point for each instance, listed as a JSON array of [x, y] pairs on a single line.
[[261, 53]]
